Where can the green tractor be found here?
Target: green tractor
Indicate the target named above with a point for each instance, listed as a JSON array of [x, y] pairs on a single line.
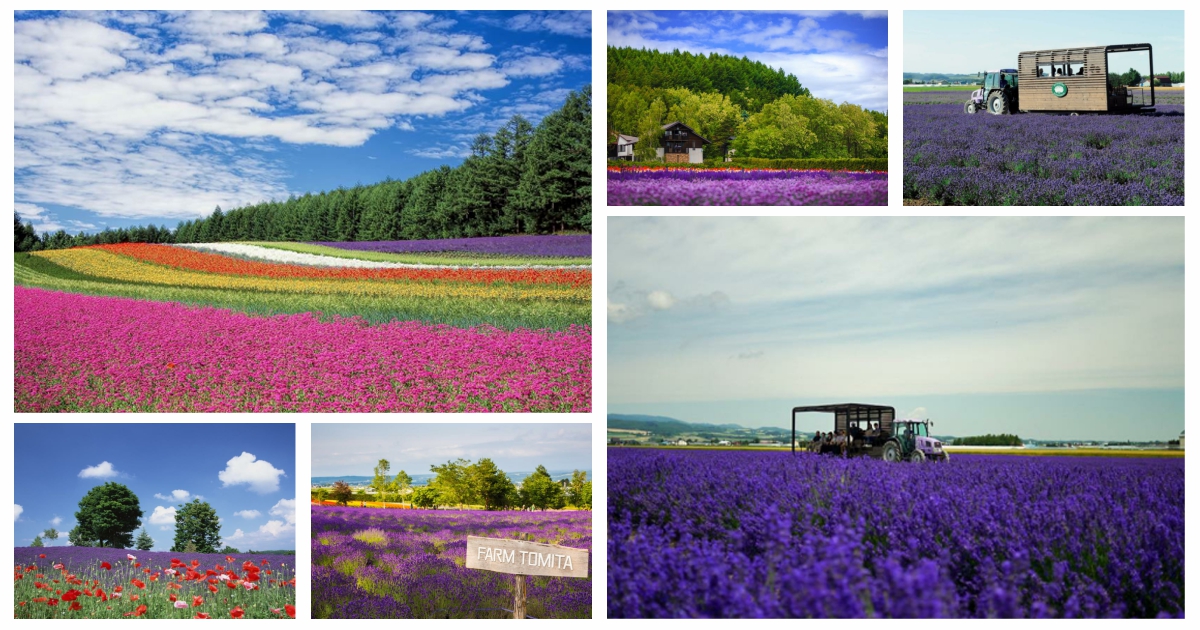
[[998, 94]]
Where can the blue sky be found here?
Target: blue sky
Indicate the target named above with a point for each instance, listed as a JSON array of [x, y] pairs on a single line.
[[355, 449], [971, 41], [125, 118], [840, 56], [1050, 328], [246, 472]]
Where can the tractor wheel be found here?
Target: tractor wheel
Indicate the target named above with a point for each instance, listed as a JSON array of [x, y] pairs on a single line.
[[965, 106], [891, 452], [971, 108], [997, 104], [917, 457]]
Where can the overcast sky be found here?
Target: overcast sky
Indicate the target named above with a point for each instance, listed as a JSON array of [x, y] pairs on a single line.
[[963, 42], [355, 449], [935, 314], [841, 56], [131, 117]]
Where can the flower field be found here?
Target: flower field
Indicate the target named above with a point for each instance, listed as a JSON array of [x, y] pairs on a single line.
[[247, 327], [408, 564], [101, 583], [640, 186], [1038, 159], [738, 534]]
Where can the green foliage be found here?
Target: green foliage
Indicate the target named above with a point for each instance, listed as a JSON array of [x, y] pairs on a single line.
[[144, 541], [380, 482], [401, 484], [228, 549], [831, 164], [493, 487], [341, 492], [452, 481], [1003, 439], [426, 497], [541, 492], [748, 84], [197, 525], [51, 534], [37, 542], [555, 189], [107, 516], [580, 493]]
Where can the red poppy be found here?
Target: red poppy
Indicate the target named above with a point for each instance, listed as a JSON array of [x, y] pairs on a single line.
[[231, 584], [201, 616], [138, 583], [134, 598], [228, 558], [212, 588], [52, 602], [41, 555], [106, 566], [76, 606], [237, 612], [291, 610], [71, 595], [197, 601], [118, 588], [172, 597], [137, 564], [195, 563], [265, 563], [141, 610], [252, 577]]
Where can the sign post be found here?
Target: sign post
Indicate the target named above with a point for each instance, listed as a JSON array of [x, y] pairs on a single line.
[[522, 558]]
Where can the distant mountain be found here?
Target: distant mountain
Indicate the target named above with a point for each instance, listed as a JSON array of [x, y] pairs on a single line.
[[662, 425]]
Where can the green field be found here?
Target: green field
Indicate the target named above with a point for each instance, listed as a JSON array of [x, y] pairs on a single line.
[[939, 88]]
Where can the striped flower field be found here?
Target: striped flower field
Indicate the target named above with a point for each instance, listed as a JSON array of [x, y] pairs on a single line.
[[284, 327]]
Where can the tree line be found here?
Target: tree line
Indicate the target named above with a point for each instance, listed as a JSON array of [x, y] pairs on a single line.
[[461, 483], [783, 120], [521, 179], [1002, 439], [1133, 78], [109, 514]]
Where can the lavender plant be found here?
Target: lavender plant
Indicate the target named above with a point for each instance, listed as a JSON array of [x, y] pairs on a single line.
[[408, 564], [750, 187], [737, 534]]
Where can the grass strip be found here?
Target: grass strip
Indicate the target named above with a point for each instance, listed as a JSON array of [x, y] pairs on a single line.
[[441, 258]]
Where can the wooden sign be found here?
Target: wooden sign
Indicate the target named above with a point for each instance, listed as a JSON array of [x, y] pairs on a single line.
[[520, 557]]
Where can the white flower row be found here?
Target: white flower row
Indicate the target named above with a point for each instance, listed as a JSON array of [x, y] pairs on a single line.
[[270, 254]]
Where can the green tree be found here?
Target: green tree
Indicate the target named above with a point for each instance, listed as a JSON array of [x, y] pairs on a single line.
[[107, 516], [401, 484], [452, 482], [555, 192], [426, 497], [540, 491], [341, 492], [580, 494], [37, 541], [144, 541], [491, 485], [196, 523], [51, 534], [380, 482], [230, 550]]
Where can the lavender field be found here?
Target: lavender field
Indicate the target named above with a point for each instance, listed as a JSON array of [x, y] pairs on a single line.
[[739, 534], [372, 563], [953, 158], [749, 187]]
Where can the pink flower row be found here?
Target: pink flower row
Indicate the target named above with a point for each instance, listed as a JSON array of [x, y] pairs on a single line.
[[77, 352]]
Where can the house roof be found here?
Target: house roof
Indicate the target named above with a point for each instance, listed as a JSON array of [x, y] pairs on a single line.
[[626, 138], [669, 125]]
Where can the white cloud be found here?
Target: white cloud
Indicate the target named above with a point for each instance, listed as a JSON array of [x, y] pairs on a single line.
[[162, 516], [533, 66], [272, 534], [18, 511], [92, 48], [575, 23], [660, 300], [285, 508], [177, 495], [56, 521], [259, 475], [248, 513], [103, 470]]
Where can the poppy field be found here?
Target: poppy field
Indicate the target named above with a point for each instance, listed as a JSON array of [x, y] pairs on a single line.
[[642, 186], [740, 534], [102, 583], [408, 564], [283, 327], [953, 158]]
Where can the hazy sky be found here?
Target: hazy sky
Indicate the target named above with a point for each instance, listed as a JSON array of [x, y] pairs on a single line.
[[246, 472], [354, 449], [837, 55], [972, 41], [128, 117], [941, 314]]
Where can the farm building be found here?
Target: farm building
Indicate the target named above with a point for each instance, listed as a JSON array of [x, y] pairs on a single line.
[[1076, 80], [1163, 81], [624, 146], [681, 143]]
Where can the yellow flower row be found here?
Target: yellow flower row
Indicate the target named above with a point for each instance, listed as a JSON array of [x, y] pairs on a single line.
[[99, 263]]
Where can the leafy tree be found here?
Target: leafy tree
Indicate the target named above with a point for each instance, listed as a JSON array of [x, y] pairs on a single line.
[[51, 534], [491, 485], [229, 550], [401, 484], [556, 188], [37, 542], [580, 494], [453, 482], [144, 541], [196, 523], [341, 492], [107, 516], [540, 491], [426, 497], [380, 482]]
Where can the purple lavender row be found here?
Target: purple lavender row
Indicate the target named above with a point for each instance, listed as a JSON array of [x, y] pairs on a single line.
[[941, 97], [745, 535], [1034, 159], [80, 558], [681, 187], [551, 246]]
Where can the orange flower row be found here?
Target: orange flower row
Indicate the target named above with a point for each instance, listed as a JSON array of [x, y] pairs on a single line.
[[184, 258]]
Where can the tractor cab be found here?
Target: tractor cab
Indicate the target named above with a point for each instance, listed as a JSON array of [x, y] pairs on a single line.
[[997, 94]]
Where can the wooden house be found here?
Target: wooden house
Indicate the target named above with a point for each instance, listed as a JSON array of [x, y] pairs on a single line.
[[681, 144], [1076, 80], [625, 147]]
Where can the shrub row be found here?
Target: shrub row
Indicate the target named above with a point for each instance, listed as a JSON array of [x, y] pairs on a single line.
[[827, 164]]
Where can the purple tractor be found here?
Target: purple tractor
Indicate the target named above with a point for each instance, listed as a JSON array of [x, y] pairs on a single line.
[[873, 431]]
